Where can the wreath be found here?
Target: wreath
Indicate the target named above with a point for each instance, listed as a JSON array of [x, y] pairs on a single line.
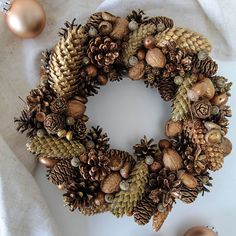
[[95, 178]]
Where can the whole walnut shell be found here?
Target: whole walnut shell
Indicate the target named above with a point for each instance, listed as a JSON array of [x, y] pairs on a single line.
[[111, 183], [173, 128], [188, 180], [137, 71], [155, 58], [172, 160], [201, 109]]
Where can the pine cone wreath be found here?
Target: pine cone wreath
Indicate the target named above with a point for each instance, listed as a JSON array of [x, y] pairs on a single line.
[[55, 148], [167, 89], [180, 104], [145, 148], [136, 40], [102, 51], [80, 193], [144, 210], [94, 165], [125, 201], [63, 172], [66, 61], [187, 40]]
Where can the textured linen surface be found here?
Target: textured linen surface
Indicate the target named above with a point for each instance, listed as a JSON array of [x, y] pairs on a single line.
[[23, 211]]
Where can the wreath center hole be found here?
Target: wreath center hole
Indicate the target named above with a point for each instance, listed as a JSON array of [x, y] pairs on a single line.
[[127, 111]]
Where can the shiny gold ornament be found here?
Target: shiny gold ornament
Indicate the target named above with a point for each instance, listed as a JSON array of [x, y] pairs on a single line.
[[26, 18], [48, 162], [200, 231], [185, 39], [219, 100]]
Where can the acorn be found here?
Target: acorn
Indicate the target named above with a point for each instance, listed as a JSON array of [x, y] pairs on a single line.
[[164, 143], [48, 162], [213, 136], [172, 160], [219, 100], [76, 108], [149, 42], [137, 71], [105, 27], [155, 58], [173, 128], [227, 146], [188, 180], [111, 184], [200, 231]]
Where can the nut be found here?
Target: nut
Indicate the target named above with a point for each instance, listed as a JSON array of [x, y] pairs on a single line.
[[108, 16], [91, 70], [125, 171], [100, 199], [48, 162], [155, 58], [76, 108], [213, 136], [111, 183], [149, 42], [171, 159], [187, 179], [155, 166], [173, 128], [116, 163], [120, 28], [141, 54], [40, 116], [102, 79], [164, 143], [227, 146], [137, 71], [211, 125], [105, 27]]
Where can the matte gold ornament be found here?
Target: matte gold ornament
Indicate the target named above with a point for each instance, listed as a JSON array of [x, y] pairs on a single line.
[[26, 18]]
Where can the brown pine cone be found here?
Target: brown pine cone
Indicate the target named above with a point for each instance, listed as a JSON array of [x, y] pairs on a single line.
[[201, 109], [80, 193], [102, 51], [138, 16], [62, 172], [94, 20], [80, 129], [167, 89], [144, 210], [58, 105], [207, 67], [94, 165], [53, 123], [168, 22]]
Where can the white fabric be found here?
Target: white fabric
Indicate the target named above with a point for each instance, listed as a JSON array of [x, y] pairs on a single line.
[[22, 208]]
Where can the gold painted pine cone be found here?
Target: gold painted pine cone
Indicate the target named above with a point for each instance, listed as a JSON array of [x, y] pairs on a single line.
[[187, 40]]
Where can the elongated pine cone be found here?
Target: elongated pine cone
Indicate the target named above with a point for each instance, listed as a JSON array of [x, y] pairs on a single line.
[[167, 89], [189, 195], [187, 40], [144, 211], [136, 40], [180, 103], [94, 165], [94, 209], [63, 172], [195, 131], [125, 201], [168, 22], [55, 148], [207, 67], [102, 51], [66, 61], [159, 219]]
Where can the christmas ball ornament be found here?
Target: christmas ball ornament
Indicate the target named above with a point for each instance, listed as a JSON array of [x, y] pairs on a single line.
[[94, 176], [25, 18], [200, 231]]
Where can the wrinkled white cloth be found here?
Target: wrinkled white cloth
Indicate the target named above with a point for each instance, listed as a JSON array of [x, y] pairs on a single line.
[[23, 211]]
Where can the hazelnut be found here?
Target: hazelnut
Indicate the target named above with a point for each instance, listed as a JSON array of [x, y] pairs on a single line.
[[141, 54], [227, 146], [149, 42], [100, 199], [125, 171], [219, 100], [155, 166]]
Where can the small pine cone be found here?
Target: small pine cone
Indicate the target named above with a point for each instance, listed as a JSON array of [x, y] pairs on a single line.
[[96, 166], [167, 89], [159, 219], [94, 20], [53, 123], [144, 211], [125, 201], [189, 195], [94, 209], [180, 104], [103, 51], [168, 22], [55, 148], [58, 106], [151, 80], [195, 131], [201, 109], [63, 172], [138, 16], [66, 61], [136, 40], [80, 129], [215, 156], [185, 39], [207, 67]]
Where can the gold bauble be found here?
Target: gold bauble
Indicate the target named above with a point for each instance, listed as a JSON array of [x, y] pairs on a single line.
[[200, 231], [26, 18]]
